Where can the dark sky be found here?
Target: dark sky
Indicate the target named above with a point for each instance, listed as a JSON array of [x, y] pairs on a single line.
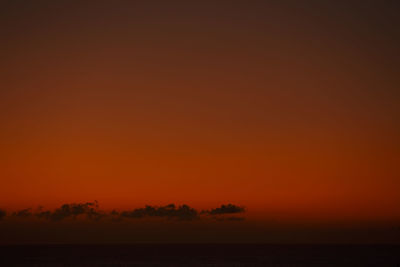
[[289, 108]]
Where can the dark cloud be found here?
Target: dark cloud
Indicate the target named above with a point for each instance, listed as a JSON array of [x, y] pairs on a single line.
[[73, 210], [3, 214], [183, 212], [91, 211], [225, 209], [44, 214], [23, 213]]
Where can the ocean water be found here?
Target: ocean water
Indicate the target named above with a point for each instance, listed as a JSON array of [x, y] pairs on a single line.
[[200, 255]]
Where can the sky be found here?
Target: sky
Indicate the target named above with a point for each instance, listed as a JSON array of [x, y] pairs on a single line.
[[287, 108]]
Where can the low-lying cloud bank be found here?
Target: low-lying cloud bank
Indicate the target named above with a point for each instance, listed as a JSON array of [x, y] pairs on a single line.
[[225, 209], [91, 211], [183, 212]]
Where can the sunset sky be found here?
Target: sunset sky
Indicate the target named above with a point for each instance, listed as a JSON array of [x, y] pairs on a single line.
[[288, 108]]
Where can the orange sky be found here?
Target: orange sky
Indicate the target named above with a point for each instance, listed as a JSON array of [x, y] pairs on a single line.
[[288, 109]]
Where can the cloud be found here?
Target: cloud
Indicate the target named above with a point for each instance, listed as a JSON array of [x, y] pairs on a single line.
[[225, 209], [73, 210], [183, 212], [23, 213], [91, 211], [3, 214]]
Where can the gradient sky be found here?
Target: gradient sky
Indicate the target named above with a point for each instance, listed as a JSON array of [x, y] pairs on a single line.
[[290, 108]]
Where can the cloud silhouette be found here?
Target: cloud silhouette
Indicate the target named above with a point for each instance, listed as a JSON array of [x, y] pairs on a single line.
[[225, 209], [23, 213], [91, 211], [73, 210], [3, 214], [183, 212]]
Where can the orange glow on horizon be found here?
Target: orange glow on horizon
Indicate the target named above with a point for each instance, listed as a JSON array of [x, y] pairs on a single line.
[[292, 117]]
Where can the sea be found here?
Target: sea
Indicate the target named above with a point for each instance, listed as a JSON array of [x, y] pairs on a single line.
[[200, 255]]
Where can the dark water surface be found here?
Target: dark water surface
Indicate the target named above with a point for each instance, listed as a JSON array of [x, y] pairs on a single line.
[[200, 255]]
